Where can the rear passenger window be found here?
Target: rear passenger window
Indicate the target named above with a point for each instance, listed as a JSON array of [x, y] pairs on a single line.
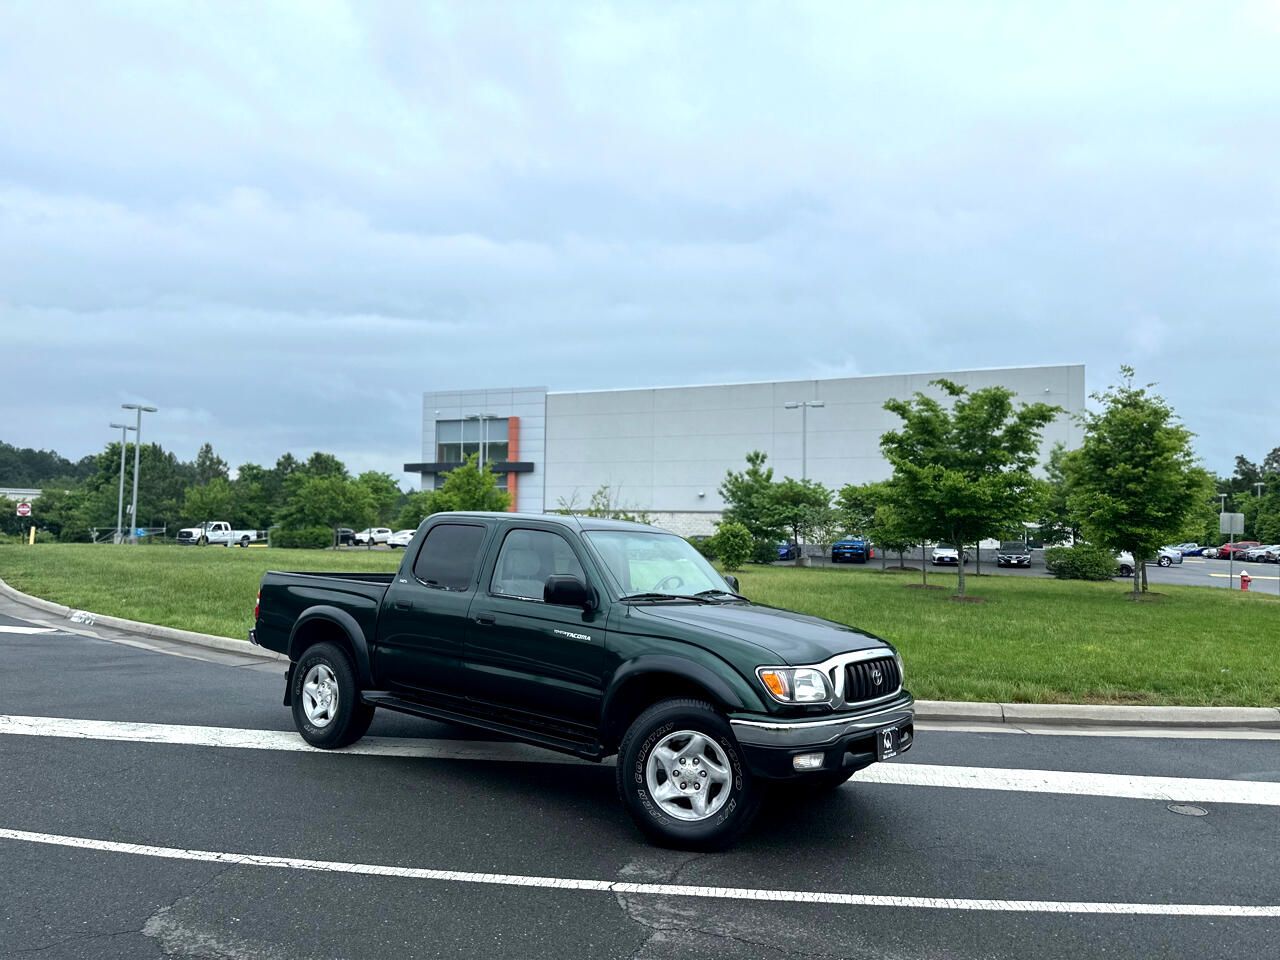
[[447, 559]]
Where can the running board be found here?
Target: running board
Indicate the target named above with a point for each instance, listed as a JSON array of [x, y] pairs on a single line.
[[381, 698]]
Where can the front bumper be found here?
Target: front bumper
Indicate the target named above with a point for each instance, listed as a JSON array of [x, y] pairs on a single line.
[[847, 742]]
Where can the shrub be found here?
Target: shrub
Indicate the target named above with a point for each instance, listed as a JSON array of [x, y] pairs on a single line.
[[302, 538], [734, 544], [704, 545], [1084, 561]]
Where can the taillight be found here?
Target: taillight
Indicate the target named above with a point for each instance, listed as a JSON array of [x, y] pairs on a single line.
[[257, 605]]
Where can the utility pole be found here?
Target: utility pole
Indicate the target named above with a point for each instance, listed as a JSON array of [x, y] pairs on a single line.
[[137, 457], [124, 445]]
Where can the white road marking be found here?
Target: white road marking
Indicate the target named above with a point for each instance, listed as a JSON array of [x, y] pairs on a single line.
[[1168, 789], [651, 889], [26, 630], [1252, 576]]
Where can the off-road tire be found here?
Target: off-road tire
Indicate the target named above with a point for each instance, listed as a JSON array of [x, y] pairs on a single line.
[[719, 830], [352, 718]]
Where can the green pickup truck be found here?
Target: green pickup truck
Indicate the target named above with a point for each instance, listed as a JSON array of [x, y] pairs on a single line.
[[595, 638]]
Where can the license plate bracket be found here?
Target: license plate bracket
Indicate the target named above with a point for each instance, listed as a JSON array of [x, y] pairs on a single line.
[[887, 742]]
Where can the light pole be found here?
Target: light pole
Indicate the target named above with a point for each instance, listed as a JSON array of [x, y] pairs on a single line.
[[484, 419], [124, 444], [137, 454], [804, 406]]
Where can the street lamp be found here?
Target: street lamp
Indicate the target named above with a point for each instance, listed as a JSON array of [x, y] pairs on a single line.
[[484, 419], [137, 453], [124, 444], [804, 406]]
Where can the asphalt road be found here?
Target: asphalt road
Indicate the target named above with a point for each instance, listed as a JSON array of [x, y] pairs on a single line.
[[993, 867], [1192, 572]]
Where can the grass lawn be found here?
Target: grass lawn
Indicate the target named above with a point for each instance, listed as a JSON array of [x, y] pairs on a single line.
[[1032, 640]]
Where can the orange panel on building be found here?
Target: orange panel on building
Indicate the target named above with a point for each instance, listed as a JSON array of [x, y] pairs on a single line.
[[513, 454]]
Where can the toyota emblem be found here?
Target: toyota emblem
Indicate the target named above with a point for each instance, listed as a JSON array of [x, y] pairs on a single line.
[[876, 676]]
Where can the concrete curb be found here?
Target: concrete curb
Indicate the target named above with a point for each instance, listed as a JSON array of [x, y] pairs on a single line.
[[1097, 715], [151, 630], [941, 711]]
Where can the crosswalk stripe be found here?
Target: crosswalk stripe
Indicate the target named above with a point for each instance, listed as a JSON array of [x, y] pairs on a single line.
[[1168, 789]]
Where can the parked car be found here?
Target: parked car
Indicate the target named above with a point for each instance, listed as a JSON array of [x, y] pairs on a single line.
[[1013, 553], [788, 551], [346, 536], [944, 554], [372, 535], [401, 539], [1235, 550], [594, 638], [852, 550], [217, 532], [1189, 549], [1259, 554], [1165, 557], [1273, 554]]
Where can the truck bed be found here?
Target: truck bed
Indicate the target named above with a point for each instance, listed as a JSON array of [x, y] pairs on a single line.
[[285, 596]]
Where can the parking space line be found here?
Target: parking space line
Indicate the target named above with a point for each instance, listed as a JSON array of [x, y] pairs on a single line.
[[650, 889], [1125, 786]]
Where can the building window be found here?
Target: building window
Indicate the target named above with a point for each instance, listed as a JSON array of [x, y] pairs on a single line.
[[458, 439]]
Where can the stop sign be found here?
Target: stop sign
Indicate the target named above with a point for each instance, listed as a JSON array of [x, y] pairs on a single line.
[[24, 509]]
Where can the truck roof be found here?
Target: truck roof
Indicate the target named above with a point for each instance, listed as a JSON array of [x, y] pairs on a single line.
[[573, 521]]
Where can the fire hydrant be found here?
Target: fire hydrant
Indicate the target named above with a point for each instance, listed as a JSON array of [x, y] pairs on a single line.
[[1244, 580]]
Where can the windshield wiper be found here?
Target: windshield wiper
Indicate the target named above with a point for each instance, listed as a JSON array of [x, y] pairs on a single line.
[[666, 596], [721, 593]]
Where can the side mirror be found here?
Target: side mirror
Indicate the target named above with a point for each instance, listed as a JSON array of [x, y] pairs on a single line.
[[732, 581], [566, 590]]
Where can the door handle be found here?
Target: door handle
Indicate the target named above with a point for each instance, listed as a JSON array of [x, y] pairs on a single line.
[[486, 619], [402, 604]]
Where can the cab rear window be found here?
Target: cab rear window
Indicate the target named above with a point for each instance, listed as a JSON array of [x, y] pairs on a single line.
[[447, 559]]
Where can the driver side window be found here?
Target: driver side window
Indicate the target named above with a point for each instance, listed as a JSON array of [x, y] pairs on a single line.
[[527, 558]]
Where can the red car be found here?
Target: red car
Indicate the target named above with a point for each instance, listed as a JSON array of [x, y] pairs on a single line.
[[1240, 546]]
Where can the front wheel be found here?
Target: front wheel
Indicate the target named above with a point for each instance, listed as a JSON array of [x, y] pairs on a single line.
[[682, 777], [326, 699], [1166, 562]]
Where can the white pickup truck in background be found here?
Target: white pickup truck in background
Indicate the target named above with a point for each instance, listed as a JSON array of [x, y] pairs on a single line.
[[219, 532]]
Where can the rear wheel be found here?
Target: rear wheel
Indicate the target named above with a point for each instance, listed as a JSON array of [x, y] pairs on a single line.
[[682, 777], [326, 699]]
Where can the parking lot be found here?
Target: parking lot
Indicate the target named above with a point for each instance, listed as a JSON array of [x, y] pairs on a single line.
[[1192, 572], [160, 805]]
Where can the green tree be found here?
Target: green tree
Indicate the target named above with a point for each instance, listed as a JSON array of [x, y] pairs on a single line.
[[321, 464], [215, 500], [384, 492], [605, 503], [209, 466], [1057, 524], [471, 487], [747, 498], [801, 507], [964, 472], [734, 545], [417, 506], [856, 506], [325, 501], [1134, 481]]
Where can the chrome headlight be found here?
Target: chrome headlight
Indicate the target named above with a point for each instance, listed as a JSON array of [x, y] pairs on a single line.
[[902, 671], [795, 684]]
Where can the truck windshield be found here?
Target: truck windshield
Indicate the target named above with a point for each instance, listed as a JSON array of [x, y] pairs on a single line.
[[654, 563]]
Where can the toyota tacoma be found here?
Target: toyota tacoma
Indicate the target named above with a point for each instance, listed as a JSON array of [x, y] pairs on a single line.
[[595, 638]]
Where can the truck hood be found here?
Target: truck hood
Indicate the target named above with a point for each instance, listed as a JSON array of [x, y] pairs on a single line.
[[793, 638]]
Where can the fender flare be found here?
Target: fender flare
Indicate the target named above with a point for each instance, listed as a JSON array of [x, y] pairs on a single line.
[[720, 691], [347, 623]]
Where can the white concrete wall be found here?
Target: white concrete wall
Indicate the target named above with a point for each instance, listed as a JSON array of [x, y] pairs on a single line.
[[666, 450]]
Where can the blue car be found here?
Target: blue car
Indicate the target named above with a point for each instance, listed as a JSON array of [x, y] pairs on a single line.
[[851, 550], [788, 551]]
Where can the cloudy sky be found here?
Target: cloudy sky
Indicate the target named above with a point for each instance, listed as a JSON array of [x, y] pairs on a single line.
[[281, 223]]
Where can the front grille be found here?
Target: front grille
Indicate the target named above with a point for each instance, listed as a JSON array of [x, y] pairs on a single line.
[[860, 679]]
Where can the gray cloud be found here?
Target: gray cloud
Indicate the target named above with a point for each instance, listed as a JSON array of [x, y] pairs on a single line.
[[281, 224]]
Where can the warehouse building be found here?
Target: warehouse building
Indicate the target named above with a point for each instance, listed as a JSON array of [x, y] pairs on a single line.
[[665, 450]]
